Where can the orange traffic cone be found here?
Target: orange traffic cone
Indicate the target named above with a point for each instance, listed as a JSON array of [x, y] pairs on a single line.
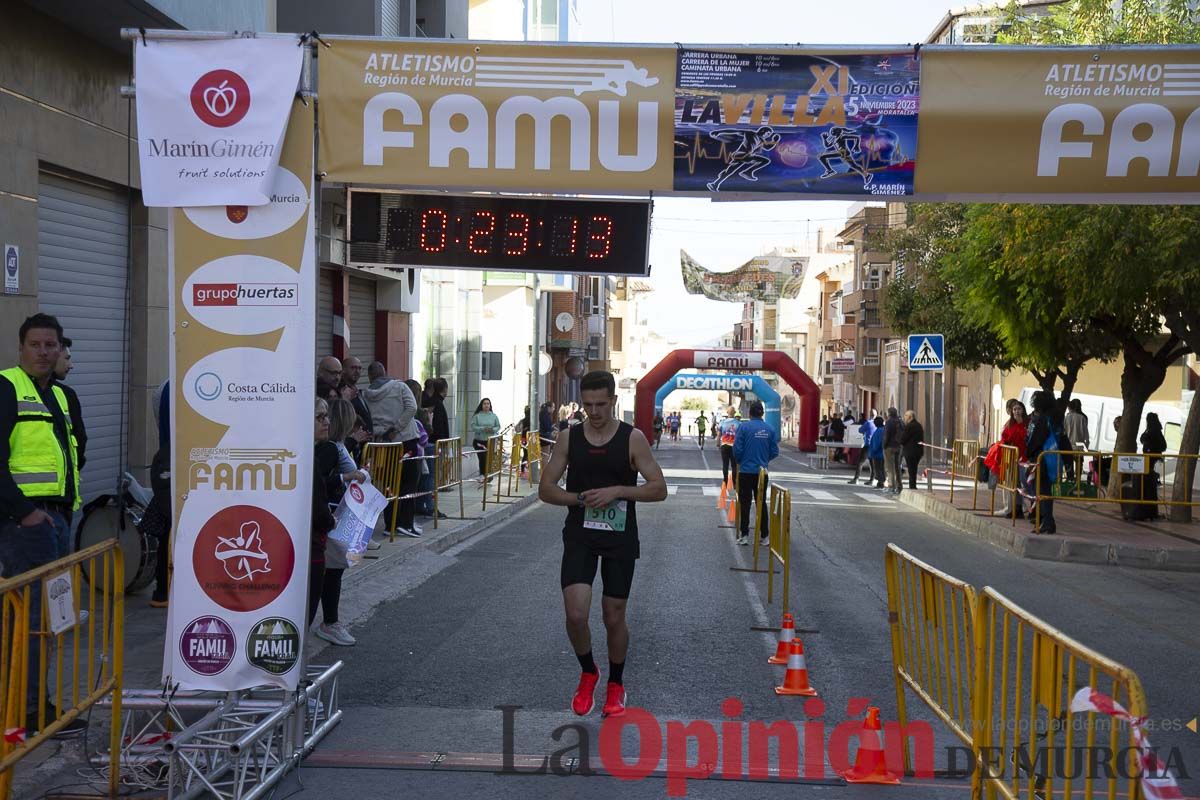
[[731, 512], [869, 763], [786, 634], [795, 681], [722, 496]]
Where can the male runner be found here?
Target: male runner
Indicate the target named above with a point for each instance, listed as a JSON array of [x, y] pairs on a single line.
[[701, 425], [726, 431], [602, 462]]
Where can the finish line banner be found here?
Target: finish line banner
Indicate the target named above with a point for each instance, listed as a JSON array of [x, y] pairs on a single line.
[[243, 282], [1080, 124], [796, 123], [211, 116]]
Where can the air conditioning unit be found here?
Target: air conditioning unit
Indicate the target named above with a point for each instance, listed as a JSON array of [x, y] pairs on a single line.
[[332, 241], [595, 348]]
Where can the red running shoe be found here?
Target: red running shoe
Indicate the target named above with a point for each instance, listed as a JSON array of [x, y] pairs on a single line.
[[614, 700], [585, 700]]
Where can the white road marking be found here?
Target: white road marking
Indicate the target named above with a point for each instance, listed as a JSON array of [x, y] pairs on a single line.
[[712, 491], [672, 489], [820, 494], [872, 498]]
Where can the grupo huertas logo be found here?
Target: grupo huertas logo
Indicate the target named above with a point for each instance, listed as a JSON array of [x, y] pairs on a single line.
[[258, 274]]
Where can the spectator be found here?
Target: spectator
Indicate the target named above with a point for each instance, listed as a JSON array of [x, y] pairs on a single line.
[[754, 445], [1042, 438], [866, 428], [427, 448], [393, 408], [39, 481], [564, 421], [61, 369], [329, 379], [875, 452], [484, 424], [1153, 440], [1075, 425], [342, 419], [434, 398], [325, 477], [546, 423], [823, 428], [912, 442], [522, 428], [156, 523], [837, 433], [1014, 434], [891, 448]]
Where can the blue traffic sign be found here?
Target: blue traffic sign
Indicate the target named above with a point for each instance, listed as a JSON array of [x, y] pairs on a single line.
[[926, 351]]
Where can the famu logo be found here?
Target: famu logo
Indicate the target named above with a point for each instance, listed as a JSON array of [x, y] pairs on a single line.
[[461, 121], [242, 469], [207, 645], [273, 645]]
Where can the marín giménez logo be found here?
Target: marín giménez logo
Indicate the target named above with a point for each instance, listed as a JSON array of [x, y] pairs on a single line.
[[244, 294], [220, 98], [208, 386]]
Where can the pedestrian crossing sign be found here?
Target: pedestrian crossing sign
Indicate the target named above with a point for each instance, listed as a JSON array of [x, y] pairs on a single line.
[[926, 351]]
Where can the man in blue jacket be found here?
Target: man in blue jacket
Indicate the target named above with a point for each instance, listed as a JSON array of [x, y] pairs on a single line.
[[754, 445]]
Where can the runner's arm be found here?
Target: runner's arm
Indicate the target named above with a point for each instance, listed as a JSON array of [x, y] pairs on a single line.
[[548, 489]]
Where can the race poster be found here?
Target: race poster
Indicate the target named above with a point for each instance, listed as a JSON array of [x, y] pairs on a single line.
[[764, 278], [243, 283], [796, 123]]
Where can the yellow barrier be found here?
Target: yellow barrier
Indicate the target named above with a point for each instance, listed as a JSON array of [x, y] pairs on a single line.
[[447, 473], [779, 546], [94, 667], [760, 494], [493, 466], [534, 446], [386, 460], [1008, 480], [514, 463], [964, 463], [1027, 674], [931, 616], [1151, 479]]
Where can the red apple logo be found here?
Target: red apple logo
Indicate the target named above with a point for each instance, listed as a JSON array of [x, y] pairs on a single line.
[[237, 214], [220, 98]]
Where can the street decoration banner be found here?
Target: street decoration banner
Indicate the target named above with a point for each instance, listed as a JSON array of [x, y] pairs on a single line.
[[211, 116], [496, 115], [765, 278], [243, 283], [1080, 124], [796, 123]]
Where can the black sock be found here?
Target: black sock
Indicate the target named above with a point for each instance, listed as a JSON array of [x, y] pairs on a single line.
[[586, 662], [616, 672]]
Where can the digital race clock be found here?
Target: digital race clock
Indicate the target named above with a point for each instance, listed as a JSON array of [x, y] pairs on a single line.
[[491, 232]]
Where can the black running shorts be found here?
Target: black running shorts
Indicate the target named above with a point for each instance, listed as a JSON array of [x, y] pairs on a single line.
[[579, 566]]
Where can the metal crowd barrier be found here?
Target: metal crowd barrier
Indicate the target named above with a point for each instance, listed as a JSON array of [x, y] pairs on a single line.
[[931, 617], [1028, 672], [88, 656], [493, 466], [779, 545], [447, 473], [386, 460], [1150, 479], [964, 463], [1008, 480], [1003, 680]]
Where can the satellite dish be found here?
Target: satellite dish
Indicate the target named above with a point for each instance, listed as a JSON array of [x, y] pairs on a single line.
[[564, 322], [545, 363]]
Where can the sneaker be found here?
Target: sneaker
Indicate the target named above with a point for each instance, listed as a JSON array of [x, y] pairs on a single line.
[[412, 532], [743, 540], [764, 540], [374, 544], [336, 633], [585, 693], [614, 700]]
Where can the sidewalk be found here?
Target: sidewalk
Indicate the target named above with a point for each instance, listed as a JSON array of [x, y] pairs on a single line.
[[391, 569], [1088, 533]]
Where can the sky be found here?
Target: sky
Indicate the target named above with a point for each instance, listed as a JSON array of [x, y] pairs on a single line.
[[723, 236]]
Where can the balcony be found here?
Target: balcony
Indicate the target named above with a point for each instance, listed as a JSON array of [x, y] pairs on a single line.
[[847, 332], [867, 375]]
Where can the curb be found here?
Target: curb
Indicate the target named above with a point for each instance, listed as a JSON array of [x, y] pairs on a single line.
[[1052, 548], [440, 542]]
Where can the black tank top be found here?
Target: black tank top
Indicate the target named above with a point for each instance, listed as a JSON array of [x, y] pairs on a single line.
[[592, 466]]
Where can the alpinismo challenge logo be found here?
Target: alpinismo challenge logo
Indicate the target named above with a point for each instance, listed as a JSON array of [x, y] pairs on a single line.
[[220, 98]]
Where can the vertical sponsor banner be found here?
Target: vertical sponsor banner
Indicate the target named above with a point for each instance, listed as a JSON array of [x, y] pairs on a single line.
[[1076, 124], [242, 315], [211, 114], [796, 123], [496, 115]]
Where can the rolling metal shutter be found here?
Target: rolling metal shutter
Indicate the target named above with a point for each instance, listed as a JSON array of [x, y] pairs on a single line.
[[83, 246], [362, 321], [324, 314]]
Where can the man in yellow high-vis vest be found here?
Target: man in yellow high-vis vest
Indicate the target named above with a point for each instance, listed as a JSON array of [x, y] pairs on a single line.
[[39, 476]]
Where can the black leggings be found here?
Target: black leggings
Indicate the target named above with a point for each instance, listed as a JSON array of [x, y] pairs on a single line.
[[726, 461], [481, 446], [747, 489], [913, 460], [331, 595], [316, 582]]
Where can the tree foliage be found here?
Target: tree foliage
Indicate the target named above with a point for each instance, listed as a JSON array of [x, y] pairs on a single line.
[[1105, 22]]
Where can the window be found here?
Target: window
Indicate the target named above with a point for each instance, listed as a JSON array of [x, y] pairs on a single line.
[[616, 334], [872, 347], [492, 367]]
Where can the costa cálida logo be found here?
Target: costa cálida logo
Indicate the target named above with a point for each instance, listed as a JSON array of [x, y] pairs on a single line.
[[220, 98]]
